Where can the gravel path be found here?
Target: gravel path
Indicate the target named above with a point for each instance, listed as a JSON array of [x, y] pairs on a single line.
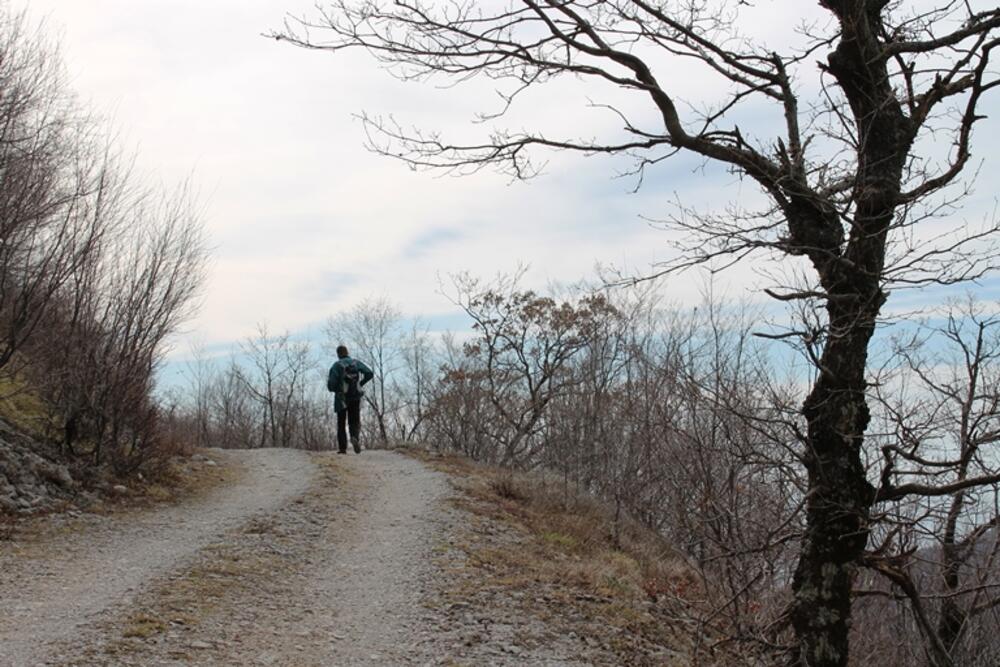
[[309, 560], [371, 581], [47, 596], [356, 575]]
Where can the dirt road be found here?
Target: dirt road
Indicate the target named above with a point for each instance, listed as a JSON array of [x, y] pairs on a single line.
[[306, 560], [302, 560]]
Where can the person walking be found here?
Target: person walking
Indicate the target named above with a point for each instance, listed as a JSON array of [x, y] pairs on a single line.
[[346, 379]]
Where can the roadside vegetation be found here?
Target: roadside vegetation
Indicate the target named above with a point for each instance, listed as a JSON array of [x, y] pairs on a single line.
[[558, 556], [97, 270]]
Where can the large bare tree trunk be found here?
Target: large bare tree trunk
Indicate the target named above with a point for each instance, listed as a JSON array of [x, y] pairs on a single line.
[[840, 496], [837, 508]]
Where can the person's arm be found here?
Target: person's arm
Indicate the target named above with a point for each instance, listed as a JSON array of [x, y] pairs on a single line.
[[366, 373]]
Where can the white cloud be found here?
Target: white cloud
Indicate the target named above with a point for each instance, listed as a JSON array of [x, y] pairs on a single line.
[[305, 221]]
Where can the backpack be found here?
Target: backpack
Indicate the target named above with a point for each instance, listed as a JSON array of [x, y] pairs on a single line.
[[351, 378]]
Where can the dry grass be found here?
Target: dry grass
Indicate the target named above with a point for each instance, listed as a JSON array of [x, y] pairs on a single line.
[[143, 626], [185, 601], [182, 478], [574, 536], [179, 479], [564, 550], [24, 409]]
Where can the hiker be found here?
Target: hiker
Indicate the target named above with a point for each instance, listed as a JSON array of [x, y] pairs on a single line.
[[347, 377]]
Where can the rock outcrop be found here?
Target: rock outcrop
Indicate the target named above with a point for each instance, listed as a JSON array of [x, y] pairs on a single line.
[[32, 478]]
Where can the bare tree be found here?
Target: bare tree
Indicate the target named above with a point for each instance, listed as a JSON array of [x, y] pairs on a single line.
[[939, 425], [371, 331], [59, 186], [148, 281], [417, 351], [459, 405], [199, 373], [277, 370], [848, 176], [108, 334], [234, 420], [524, 344]]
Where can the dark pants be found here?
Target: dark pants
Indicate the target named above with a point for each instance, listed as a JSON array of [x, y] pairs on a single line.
[[349, 418]]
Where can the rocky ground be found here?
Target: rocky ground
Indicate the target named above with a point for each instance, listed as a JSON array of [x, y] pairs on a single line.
[[31, 477], [299, 559]]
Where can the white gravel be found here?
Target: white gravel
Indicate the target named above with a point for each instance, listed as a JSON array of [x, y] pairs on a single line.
[[371, 582], [47, 597], [311, 560]]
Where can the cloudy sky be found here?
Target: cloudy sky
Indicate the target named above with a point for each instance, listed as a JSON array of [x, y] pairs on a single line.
[[304, 221]]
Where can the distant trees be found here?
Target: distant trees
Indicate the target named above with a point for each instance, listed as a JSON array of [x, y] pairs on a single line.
[[277, 370], [936, 541], [846, 164], [674, 418], [371, 331], [400, 356], [271, 392], [95, 271], [419, 374]]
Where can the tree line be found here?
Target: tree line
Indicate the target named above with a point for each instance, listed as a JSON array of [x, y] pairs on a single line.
[[689, 422], [96, 269], [685, 420], [270, 390]]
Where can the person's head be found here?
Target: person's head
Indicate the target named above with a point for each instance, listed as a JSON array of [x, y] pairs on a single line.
[[341, 351]]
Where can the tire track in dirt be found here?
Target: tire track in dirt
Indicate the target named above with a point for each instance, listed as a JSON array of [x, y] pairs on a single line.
[[48, 597]]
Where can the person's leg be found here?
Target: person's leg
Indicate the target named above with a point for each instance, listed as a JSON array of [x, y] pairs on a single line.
[[342, 431], [354, 420]]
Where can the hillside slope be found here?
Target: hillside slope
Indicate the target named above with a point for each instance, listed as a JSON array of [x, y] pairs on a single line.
[[33, 477]]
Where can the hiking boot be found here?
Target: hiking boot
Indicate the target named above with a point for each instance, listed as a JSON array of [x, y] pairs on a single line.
[[357, 449], [341, 451]]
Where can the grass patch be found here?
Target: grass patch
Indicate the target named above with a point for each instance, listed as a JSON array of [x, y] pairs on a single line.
[[181, 478], [183, 602], [573, 538], [21, 405], [504, 486], [533, 539], [143, 626], [559, 540]]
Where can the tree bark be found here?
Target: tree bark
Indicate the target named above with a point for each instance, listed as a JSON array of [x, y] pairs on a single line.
[[840, 496]]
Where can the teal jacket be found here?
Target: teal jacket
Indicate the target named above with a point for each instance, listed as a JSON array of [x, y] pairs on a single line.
[[335, 380]]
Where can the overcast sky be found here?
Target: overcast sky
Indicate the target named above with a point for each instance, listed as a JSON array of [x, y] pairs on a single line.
[[304, 221]]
